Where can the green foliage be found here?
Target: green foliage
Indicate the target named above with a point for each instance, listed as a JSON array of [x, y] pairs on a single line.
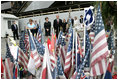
[[108, 12]]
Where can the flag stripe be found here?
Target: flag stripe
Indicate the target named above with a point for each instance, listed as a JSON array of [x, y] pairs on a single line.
[[44, 73], [99, 49], [99, 58], [8, 68], [6, 76], [21, 63], [23, 59], [22, 54]]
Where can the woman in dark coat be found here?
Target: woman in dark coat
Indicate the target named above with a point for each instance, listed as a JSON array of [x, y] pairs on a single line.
[[64, 24], [47, 26]]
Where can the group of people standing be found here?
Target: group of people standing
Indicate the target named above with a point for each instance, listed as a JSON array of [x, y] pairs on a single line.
[[32, 25], [58, 24]]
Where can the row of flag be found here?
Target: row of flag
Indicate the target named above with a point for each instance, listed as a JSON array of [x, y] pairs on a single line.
[[62, 57]]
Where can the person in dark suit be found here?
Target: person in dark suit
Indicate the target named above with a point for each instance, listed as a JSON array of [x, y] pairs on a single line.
[[64, 24], [57, 24], [81, 19], [14, 28], [47, 26], [72, 21]]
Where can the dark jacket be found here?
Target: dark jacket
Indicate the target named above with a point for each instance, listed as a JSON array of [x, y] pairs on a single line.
[[57, 25], [72, 21], [47, 25], [64, 26], [13, 27], [81, 20]]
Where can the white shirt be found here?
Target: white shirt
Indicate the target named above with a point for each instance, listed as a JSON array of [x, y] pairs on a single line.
[[76, 23], [57, 20], [15, 26]]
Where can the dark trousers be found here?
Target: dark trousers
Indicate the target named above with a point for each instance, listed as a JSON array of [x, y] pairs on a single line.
[[33, 31], [15, 34], [47, 33], [57, 33], [36, 31]]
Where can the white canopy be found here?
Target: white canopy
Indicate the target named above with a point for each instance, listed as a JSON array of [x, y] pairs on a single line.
[[39, 5]]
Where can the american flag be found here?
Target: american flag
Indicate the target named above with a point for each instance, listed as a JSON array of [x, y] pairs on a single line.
[[46, 73], [100, 48], [108, 74], [2, 68], [59, 38], [60, 72], [9, 64], [26, 41], [48, 64], [39, 34], [92, 33], [111, 47], [83, 76], [44, 66], [58, 44], [22, 43], [23, 59], [79, 54], [23, 56], [110, 41], [68, 34], [34, 52], [68, 57], [83, 47], [53, 62], [74, 75], [54, 73], [80, 68], [53, 52], [63, 50], [53, 57], [39, 46], [88, 45], [70, 30]]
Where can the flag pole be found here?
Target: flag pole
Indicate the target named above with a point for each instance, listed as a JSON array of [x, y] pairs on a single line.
[[76, 50], [84, 36], [73, 47], [84, 39]]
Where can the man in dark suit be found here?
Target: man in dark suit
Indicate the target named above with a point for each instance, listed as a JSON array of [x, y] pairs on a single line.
[[57, 24], [81, 19], [14, 28]]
